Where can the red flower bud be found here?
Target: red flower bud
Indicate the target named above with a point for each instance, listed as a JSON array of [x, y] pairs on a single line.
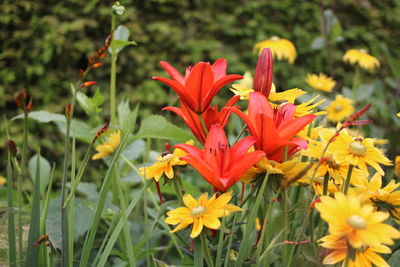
[[87, 84], [68, 109], [23, 100], [264, 71], [97, 65], [12, 147], [102, 129]]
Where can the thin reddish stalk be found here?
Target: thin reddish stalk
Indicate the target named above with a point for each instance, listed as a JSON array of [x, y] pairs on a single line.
[[159, 192]]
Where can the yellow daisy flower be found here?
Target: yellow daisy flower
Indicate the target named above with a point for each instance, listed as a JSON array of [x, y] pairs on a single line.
[[364, 257], [247, 80], [360, 224], [312, 134], [383, 198], [290, 96], [286, 96], [397, 166], [398, 114], [164, 164], [263, 166], [2, 180], [362, 58], [107, 148], [356, 151], [282, 49], [308, 108], [340, 109], [244, 92], [201, 212], [320, 82]]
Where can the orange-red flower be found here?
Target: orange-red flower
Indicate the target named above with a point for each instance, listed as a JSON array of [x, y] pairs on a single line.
[[219, 164], [200, 84], [210, 116], [275, 129]]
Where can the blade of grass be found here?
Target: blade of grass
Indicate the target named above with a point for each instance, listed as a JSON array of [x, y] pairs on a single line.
[[228, 249], [71, 211], [146, 232], [158, 207], [32, 258], [44, 250], [198, 257], [245, 246], [117, 230], [105, 239], [220, 243], [12, 249], [126, 232], [87, 247]]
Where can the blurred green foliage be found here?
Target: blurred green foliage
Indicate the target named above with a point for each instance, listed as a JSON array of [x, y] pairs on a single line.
[[44, 43]]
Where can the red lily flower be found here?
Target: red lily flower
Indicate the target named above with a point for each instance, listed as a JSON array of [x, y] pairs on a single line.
[[219, 164], [210, 116], [274, 129], [200, 84], [264, 71]]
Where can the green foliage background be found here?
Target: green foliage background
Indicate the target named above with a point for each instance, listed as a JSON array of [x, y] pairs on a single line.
[[44, 43]]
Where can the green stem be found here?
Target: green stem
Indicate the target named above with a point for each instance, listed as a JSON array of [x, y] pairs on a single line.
[[146, 232], [113, 80], [326, 184], [346, 260], [19, 184], [240, 134], [285, 210], [206, 250], [12, 251], [203, 124], [220, 243], [228, 250], [178, 188], [198, 258], [356, 81], [348, 178]]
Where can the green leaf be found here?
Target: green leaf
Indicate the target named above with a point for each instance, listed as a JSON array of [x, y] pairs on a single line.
[[91, 105], [158, 127], [79, 130], [120, 39], [318, 43], [43, 116], [44, 173], [81, 223], [126, 116], [32, 258], [134, 150]]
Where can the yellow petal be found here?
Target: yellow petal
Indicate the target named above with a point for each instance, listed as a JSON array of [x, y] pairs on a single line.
[[197, 227]]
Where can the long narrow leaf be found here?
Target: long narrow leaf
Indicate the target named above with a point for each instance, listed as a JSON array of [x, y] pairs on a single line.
[[87, 247], [43, 260], [245, 245], [34, 228], [12, 250], [117, 230]]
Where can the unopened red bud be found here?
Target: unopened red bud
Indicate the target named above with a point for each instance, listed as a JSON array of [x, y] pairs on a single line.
[[87, 84], [264, 71], [318, 200], [97, 65], [168, 147], [23, 100], [12, 147], [102, 130], [81, 72], [68, 109]]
